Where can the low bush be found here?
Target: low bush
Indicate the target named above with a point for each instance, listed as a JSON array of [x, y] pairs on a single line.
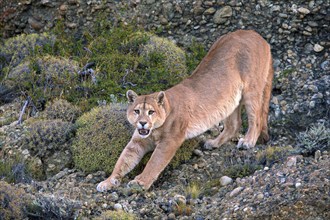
[[101, 136], [317, 137], [61, 109], [48, 141]]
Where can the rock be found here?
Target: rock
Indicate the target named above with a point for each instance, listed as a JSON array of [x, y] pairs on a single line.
[[36, 25], [118, 206], [180, 199], [304, 11], [291, 161], [221, 15], [236, 191], [225, 180], [318, 48], [210, 11]]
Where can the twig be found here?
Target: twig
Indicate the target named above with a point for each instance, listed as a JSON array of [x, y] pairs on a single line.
[[27, 101]]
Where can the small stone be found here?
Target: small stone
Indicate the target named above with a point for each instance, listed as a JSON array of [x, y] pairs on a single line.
[[318, 48], [291, 161], [25, 152], [266, 168], [236, 191], [210, 11], [260, 196], [180, 199], [304, 11], [221, 15], [118, 206], [198, 152], [225, 180], [297, 185], [317, 155], [171, 216], [104, 205], [36, 25]]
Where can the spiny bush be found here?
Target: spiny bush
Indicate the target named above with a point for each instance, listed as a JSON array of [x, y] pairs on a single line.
[[49, 141], [317, 137], [14, 170], [16, 49], [44, 78], [101, 136], [61, 109], [12, 202]]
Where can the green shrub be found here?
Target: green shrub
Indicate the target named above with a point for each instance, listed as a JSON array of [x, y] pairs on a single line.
[[195, 53], [48, 142], [115, 215], [317, 137], [101, 136], [241, 170], [12, 202], [273, 154], [61, 109], [126, 58]]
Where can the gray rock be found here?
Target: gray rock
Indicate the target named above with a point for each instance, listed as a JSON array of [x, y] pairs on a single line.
[[225, 180], [236, 191], [118, 206], [222, 15]]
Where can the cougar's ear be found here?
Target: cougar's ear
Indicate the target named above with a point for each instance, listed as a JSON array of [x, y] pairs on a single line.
[[161, 98], [131, 96]]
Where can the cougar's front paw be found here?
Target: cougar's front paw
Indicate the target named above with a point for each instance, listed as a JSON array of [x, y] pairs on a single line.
[[107, 184], [244, 144]]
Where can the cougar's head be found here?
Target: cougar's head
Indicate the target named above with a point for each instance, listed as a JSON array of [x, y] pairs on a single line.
[[146, 112]]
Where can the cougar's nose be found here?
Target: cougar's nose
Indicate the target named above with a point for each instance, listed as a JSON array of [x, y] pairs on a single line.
[[143, 123]]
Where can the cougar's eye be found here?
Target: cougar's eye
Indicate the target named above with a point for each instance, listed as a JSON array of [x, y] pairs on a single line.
[[137, 111], [151, 112]]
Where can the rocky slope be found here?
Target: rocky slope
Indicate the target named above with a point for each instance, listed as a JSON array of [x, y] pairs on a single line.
[[286, 179]]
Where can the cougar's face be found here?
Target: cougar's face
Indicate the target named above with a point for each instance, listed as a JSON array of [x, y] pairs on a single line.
[[145, 113]]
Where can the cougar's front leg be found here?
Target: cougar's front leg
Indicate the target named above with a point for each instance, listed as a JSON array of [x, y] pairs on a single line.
[[129, 158], [159, 159]]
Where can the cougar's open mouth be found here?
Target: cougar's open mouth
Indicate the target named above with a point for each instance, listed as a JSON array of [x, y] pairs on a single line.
[[143, 132]]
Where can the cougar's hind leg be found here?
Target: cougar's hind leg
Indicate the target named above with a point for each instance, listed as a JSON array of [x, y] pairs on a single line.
[[264, 136], [232, 124]]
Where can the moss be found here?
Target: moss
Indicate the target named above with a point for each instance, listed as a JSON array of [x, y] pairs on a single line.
[[12, 202], [101, 136], [61, 109], [115, 215], [273, 154], [45, 140]]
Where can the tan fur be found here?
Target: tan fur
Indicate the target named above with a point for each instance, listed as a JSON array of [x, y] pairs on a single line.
[[236, 71]]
